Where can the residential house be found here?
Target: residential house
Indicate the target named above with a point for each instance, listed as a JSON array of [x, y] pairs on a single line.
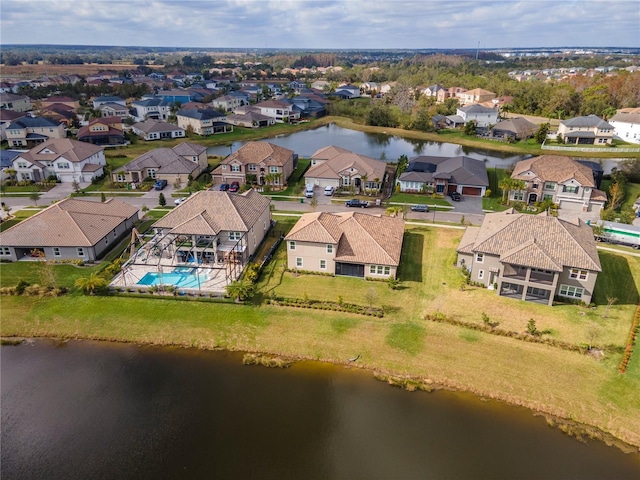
[[15, 103], [280, 111], [174, 96], [60, 113], [483, 116], [626, 126], [70, 229], [517, 128], [230, 102], [53, 100], [157, 130], [175, 165], [341, 168], [442, 175], [566, 182], [65, 159], [209, 238], [107, 99], [250, 119], [203, 121], [257, 162], [112, 109], [477, 95], [533, 258], [587, 130], [347, 92], [103, 131], [6, 162], [432, 90], [29, 131], [350, 244], [7, 117], [451, 92], [155, 108]]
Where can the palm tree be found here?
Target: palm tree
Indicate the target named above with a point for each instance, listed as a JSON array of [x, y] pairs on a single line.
[[505, 185], [363, 178], [91, 283], [240, 289]]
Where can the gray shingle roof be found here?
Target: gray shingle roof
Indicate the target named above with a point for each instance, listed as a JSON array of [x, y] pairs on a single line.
[[588, 121], [164, 160]]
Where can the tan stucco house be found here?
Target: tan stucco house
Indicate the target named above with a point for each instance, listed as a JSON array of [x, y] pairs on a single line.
[[351, 244], [531, 257], [568, 183], [587, 130]]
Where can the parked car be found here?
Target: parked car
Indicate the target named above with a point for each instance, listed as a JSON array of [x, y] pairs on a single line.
[[224, 187], [178, 201], [356, 203], [328, 191], [419, 208], [234, 187], [308, 190], [455, 196], [160, 184]]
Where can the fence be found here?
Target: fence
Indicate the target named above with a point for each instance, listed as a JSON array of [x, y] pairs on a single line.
[[592, 149]]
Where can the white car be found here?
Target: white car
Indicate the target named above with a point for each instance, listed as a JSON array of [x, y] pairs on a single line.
[[328, 191], [178, 201]]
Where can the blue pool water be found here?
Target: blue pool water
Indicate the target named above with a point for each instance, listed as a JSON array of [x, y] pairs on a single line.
[[175, 278]]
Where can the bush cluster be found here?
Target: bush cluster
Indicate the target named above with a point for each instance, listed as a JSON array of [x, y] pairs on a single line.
[[325, 305], [631, 341], [24, 288]]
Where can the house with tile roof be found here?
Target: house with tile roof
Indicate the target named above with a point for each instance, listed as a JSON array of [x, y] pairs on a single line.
[[108, 99], [7, 117], [103, 131], [112, 109], [533, 258], [56, 99], [341, 168], [250, 119], [568, 183], [483, 116], [352, 244], [443, 175], [174, 165], [257, 162], [70, 229], [516, 128], [65, 159], [626, 126], [279, 110], [203, 121], [477, 95], [231, 101], [155, 107], [157, 130], [586, 130], [29, 131]]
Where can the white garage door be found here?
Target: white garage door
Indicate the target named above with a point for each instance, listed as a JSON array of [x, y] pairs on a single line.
[[572, 206]]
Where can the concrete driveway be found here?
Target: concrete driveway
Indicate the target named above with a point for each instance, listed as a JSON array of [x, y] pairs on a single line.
[[467, 205]]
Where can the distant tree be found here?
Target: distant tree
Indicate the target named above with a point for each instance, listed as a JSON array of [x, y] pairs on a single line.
[[371, 297], [161, 200], [34, 196], [470, 127], [541, 133]]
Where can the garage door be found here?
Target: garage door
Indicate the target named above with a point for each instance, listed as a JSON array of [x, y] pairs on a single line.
[[573, 206], [476, 191]]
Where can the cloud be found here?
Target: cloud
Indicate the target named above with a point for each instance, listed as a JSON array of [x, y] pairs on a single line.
[[321, 24]]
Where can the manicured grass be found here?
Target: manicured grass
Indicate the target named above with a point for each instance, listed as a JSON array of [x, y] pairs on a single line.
[[18, 216], [631, 193], [420, 199], [296, 180], [494, 201]]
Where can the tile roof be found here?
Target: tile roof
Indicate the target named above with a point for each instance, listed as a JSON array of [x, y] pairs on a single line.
[[518, 125], [256, 152], [150, 125], [626, 118], [209, 212], [69, 223], [200, 113], [459, 170], [341, 162], [167, 160], [360, 237], [32, 122], [71, 150], [537, 241], [554, 168]]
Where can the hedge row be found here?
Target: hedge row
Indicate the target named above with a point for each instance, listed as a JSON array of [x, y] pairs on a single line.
[[320, 305], [631, 341]]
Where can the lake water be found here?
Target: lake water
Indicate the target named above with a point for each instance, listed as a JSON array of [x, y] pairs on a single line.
[[381, 146], [87, 410]]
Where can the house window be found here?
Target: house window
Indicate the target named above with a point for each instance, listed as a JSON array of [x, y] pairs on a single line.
[[151, 172], [534, 186], [569, 291], [252, 167], [329, 248], [579, 274], [56, 251], [549, 185], [235, 235], [298, 262], [80, 251], [346, 181], [22, 164], [569, 189], [547, 196], [479, 257], [121, 177], [323, 264], [387, 270], [64, 166], [480, 274], [5, 251], [235, 168], [518, 196], [292, 245], [274, 169]]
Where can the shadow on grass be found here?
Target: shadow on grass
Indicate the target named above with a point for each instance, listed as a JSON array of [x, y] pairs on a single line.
[[411, 259], [408, 337], [615, 281], [391, 308]]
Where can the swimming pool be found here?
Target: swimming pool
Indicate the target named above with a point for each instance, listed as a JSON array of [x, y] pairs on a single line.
[[184, 278]]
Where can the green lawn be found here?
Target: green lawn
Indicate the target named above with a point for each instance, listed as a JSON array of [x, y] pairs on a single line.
[[17, 218], [420, 199], [493, 202]]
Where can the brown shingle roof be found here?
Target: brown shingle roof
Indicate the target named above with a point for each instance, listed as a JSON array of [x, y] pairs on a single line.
[[538, 241], [209, 212], [554, 168], [69, 223], [71, 150], [361, 238], [341, 162], [256, 152]]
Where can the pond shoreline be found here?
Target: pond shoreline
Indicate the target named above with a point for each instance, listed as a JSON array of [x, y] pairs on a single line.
[[581, 431]]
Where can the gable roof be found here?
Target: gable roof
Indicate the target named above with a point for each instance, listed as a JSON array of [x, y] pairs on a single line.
[[341, 162], [360, 238], [458, 170], [554, 168], [536, 241], [626, 118], [256, 152], [72, 150], [69, 223], [167, 160], [150, 125], [32, 122], [209, 212]]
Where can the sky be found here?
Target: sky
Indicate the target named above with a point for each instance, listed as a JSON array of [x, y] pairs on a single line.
[[329, 24]]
